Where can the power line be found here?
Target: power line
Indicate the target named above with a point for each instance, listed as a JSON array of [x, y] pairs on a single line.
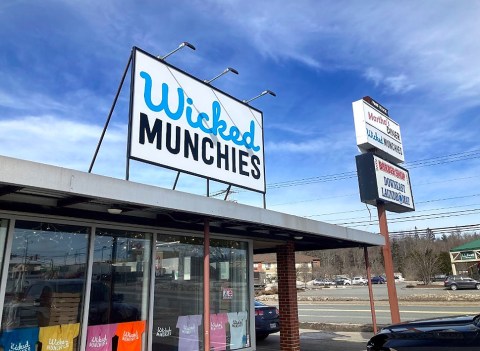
[[419, 217], [416, 211], [418, 203], [461, 156], [435, 231]]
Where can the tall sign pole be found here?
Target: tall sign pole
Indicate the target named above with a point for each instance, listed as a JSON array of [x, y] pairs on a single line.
[[381, 181], [387, 257]]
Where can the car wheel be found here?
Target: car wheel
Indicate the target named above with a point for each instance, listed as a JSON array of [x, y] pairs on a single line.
[[261, 336], [453, 287], [477, 286]]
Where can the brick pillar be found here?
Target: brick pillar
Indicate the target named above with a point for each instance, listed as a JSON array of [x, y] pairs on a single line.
[[287, 298]]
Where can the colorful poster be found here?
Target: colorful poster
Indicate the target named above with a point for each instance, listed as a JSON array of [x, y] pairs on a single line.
[[58, 337], [188, 332], [238, 329], [218, 335], [130, 336], [20, 339], [99, 337]]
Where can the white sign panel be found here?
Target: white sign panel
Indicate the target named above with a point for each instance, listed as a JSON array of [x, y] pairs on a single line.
[[182, 123], [393, 183], [375, 130]]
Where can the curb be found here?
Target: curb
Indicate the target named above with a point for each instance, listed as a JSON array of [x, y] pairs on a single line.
[[336, 327]]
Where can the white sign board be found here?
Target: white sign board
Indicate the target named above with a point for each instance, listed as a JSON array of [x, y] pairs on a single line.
[[375, 130], [393, 183], [182, 123]]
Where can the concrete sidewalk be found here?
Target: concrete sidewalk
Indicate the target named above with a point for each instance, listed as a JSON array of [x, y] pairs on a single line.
[[316, 340]]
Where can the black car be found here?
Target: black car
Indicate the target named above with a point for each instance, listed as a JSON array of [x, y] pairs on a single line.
[[267, 320], [378, 280], [455, 282], [448, 333]]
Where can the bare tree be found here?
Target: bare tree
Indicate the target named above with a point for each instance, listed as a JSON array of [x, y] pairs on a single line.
[[425, 258], [304, 273]]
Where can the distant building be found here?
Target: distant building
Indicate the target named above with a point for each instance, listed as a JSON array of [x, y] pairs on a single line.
[[267, 263]]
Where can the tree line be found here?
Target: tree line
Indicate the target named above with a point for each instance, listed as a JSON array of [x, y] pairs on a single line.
[[418, 256]]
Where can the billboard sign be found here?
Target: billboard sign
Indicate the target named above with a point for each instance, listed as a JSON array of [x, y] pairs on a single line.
[[180, 122], [380, 181], [375, 130]]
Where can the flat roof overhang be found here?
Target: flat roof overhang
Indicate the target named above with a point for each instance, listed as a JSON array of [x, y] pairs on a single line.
[[30, 187]]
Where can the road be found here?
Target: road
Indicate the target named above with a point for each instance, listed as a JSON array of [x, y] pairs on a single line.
[[359, 312], [350, 304]]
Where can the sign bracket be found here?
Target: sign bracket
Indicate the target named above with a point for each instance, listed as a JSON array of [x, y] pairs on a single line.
[[110, 113]]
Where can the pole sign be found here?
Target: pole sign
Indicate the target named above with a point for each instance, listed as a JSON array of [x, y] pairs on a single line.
[[375, 130], [179, 122], [382, 181]]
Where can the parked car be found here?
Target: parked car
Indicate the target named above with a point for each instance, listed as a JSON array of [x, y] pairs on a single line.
[[267, 320], [378, 280], [455, 282], [359, 281], [439, 277], [323, 282], [447, 333], [343, 281]]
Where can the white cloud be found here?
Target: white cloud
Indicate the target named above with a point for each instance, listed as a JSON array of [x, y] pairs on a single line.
[[54, 140], [397, 84]]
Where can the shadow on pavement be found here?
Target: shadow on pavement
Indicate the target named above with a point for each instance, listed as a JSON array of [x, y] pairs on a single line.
[[313, 340]]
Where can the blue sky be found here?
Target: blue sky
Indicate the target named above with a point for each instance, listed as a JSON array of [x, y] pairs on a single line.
[[61, 63]]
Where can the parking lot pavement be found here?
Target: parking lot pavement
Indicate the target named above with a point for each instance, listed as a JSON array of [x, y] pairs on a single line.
[[315, 340]]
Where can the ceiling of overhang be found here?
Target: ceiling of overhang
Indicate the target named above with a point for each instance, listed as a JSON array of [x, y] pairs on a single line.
[[55, 203]]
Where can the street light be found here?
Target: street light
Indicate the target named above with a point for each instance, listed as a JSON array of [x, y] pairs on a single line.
[[179, 47], [263, 93], [228, 69]]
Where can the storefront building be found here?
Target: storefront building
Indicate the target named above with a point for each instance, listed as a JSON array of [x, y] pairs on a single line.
[[101, 264], [97, 263]]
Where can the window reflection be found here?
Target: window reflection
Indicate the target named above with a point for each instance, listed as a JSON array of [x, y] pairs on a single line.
[[45, 258], [178, 300], [45, 284], [178, 304], [229, 295], [120, 275]]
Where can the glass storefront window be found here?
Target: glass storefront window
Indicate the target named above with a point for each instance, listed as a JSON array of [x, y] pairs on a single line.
[[229, 295], [178, 300], [120, 289], [45, 285]]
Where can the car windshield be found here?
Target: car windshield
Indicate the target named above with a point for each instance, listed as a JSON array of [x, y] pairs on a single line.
[[476, 321], [259, 304]]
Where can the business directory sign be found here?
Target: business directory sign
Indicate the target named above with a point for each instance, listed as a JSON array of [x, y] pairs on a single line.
[[382, 181], [375, 130]]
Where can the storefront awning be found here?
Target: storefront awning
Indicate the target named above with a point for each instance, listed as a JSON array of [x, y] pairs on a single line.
[[30, 187]]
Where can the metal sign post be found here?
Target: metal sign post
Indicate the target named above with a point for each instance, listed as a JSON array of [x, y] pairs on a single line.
[[370, 290], [387, 257]]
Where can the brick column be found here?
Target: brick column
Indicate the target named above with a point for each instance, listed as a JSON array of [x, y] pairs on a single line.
[[287, 298]]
